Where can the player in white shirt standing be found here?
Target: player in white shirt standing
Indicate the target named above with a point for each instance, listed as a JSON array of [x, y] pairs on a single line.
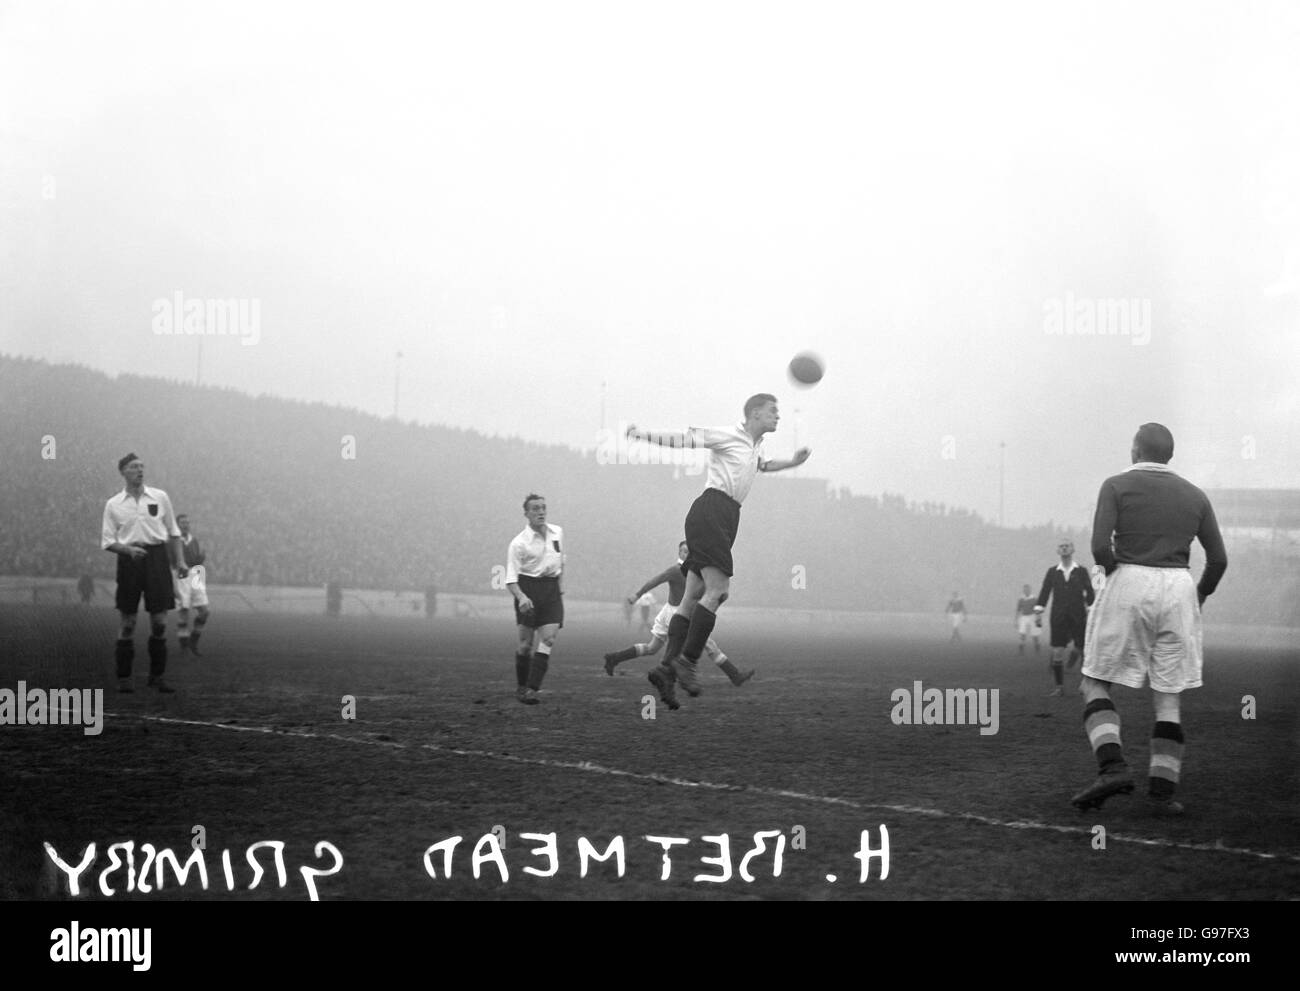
[[534, 564], [140, 528], [711, 527], [192, 590]]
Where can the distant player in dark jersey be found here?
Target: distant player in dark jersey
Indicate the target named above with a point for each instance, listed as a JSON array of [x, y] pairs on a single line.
[[956, 612], [676, 581], [192, 590], [1027, 622], [1070, 589]]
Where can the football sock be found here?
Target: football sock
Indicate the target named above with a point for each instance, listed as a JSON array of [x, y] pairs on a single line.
[[124, 650], [157, 657], [1166, 759], [627, 653], [1058, 670], [1101, 722], [701, 629], [523, 658], [537, 671], [677, 630]]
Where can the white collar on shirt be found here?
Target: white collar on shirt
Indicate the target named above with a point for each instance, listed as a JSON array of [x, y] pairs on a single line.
[[1073, 564], [145, 493], [532, 534], [1148, 466], [740, 429]]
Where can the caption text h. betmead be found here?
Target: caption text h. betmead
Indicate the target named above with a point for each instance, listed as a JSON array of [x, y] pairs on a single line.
[[487, 859]]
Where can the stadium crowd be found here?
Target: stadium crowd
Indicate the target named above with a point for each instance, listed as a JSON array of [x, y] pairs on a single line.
[[293, 493]]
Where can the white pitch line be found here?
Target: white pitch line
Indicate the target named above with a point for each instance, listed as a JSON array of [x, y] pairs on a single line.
[[589, 767]]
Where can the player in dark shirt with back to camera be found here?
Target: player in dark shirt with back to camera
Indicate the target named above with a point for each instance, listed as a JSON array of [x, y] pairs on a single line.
[[1147, 622]]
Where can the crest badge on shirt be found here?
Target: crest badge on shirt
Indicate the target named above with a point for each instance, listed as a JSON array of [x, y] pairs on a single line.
[[153, 509]]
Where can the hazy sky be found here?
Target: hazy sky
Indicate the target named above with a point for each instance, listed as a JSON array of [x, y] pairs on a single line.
[[532, 200]]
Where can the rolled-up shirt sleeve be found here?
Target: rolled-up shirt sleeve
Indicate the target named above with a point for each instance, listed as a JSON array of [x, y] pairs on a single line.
[[707, 436], [512, 563], [169, 517], [108, 537]]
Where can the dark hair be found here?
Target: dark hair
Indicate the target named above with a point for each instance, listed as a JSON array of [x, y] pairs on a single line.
[[182, 516], [1154, 442], [530, 497], [123, 462], [757, 400]]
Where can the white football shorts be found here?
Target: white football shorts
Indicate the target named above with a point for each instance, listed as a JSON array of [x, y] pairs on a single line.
[[192, 590], [660, 630], [662, 619], [1145, 624]]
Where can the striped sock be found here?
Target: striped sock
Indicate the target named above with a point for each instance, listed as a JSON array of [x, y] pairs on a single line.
[[1101, 722], [1166, 759]]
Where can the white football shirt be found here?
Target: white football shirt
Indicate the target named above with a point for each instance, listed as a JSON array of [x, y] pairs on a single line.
[[535, 556], [734, 457], [147, 520]]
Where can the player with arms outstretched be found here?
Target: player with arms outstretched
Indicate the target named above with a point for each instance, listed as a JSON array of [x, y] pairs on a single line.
[[675, 578], [735, 459]]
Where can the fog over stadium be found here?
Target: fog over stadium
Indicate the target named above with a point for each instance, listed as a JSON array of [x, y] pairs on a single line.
[[567, 211], [331, 567]]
